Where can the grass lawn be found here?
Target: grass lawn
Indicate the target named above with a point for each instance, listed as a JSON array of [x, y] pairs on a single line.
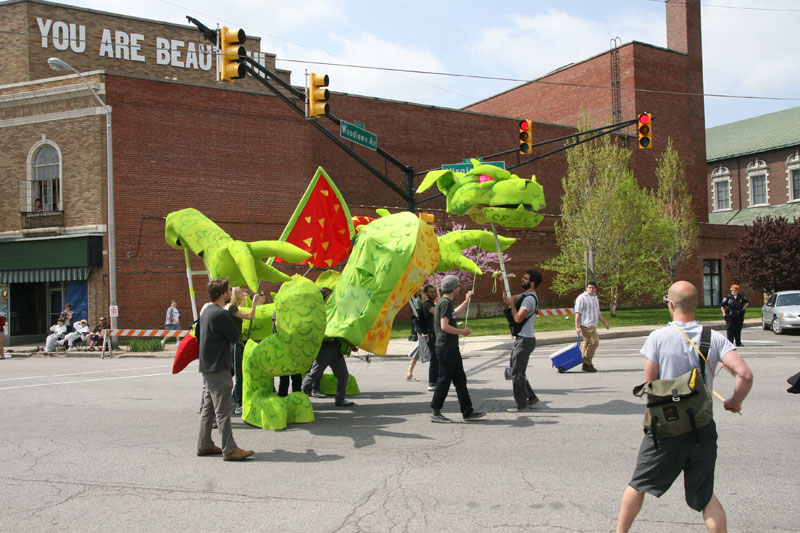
[[625, 317]]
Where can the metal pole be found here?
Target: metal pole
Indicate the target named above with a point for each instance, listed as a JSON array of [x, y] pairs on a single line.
[[59, 64], [112, 233]]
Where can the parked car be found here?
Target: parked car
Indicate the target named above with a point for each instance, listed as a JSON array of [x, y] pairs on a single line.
[[782, 311]]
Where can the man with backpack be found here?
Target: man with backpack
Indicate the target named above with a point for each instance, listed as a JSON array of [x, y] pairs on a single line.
[[672, 352], [523, 311]]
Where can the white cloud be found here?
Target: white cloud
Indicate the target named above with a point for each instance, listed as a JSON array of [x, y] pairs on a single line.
[[529, 47]]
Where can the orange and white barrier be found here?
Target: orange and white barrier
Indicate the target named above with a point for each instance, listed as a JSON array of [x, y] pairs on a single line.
[[557, 312], [163, 333], [152, 333]]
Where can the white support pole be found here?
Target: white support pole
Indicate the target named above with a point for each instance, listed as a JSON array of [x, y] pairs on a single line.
[[500, 260], [191, 284]]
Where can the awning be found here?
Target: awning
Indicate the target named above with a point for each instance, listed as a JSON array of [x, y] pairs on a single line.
[[44, 274]]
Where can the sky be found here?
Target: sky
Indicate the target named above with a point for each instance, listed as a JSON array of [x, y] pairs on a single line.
[[749, 48]]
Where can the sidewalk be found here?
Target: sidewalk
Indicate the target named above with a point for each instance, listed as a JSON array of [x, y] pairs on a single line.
[[471, 347]]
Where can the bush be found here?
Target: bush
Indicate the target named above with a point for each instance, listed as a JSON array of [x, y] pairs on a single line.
[[145, 345]]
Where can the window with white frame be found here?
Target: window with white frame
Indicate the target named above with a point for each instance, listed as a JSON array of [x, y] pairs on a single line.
[[721, 188], [793, 176], [45, 178], [758, 183]]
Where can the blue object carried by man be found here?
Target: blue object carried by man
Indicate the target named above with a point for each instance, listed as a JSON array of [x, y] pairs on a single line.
[[567, 357]]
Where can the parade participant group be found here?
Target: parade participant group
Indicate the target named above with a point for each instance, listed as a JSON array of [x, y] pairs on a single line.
[[313, 324]]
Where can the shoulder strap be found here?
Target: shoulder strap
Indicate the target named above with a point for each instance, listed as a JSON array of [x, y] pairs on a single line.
[[535, 307]]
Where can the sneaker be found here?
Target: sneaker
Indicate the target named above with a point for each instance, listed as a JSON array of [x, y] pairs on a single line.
[[474, 415], [588, 368], [431, 388], [238, 454], [440, 418], [238, 411], [318, 394], [533, 401], [345, 403], [69, 349], [517, 409]]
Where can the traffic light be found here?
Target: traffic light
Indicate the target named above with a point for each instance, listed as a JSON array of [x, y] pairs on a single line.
[[645, 131], [232, 54], [525, 137], [318, 95]]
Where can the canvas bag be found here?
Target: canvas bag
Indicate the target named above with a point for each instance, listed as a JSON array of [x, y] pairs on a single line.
[[679, 405]]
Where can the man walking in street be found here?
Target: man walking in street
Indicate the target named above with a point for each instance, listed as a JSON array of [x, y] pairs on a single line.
[[451, 366], [524, 309], [587, 314], [670, 352], [217, 333]]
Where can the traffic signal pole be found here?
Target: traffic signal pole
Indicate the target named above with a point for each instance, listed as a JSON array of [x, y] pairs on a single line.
[[266, 76]]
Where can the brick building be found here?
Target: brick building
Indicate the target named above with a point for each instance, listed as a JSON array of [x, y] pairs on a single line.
[[243, 157], [754, 168]]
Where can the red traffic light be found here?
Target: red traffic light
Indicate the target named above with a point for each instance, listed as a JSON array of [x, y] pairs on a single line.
[[525, 125], [644, 118]]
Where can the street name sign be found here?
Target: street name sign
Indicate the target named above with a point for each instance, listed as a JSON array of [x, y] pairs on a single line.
[[355, 132]]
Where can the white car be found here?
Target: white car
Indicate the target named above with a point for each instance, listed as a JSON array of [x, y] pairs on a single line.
[[782, 311]]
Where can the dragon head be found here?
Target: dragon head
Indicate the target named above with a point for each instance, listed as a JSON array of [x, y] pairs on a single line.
[[490, 194]]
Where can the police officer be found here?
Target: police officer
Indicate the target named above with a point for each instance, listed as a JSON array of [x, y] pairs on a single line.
[[733, 306]]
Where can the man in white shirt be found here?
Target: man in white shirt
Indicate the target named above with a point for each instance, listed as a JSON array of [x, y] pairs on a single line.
[[587, 314], [668, 355]]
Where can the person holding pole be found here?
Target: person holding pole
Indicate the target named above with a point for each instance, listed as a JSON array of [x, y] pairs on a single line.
[[670, 354], [524, 309], [451, 366]]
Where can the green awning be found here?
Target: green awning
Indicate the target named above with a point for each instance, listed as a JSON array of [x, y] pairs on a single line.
[[44, 274], [51, 253]]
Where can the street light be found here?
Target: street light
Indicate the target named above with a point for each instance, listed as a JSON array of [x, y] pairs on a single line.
[[61, 65]]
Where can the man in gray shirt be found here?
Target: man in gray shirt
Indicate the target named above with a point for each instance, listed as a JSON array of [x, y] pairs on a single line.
[[668, 355], [524, 309], [217, 332]]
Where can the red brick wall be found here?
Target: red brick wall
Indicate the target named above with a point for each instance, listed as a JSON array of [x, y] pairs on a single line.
[[778, 181]]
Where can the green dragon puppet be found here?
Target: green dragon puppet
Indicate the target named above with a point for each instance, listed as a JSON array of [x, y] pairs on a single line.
[[489, 194]]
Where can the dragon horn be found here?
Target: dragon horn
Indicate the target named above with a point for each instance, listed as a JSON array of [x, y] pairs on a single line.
[[444, 179]]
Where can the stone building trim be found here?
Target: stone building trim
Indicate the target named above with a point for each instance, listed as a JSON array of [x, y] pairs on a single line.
[[792, 165], [756, 169], [720, 175]]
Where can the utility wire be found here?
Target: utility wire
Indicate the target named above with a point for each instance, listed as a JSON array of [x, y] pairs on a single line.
[[773, 9]]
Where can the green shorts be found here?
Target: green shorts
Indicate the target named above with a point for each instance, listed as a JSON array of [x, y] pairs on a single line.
[[656, 469]]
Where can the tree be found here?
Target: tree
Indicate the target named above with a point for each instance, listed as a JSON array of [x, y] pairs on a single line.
[[674, 226], [766, 255], [604, 212]]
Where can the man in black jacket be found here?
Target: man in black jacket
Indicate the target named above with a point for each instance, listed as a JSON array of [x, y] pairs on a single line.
[[217, 332]]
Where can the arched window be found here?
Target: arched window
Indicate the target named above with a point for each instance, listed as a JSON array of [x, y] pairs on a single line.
[[758, 183], [793, 176], [45, 178], [721, 188]]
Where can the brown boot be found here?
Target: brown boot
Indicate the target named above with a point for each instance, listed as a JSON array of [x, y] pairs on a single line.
[[214, 450], [238, 454], [588, 368]]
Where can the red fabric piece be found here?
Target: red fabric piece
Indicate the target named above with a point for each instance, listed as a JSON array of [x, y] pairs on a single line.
[[188, 351], [361, 221], [321, 229]]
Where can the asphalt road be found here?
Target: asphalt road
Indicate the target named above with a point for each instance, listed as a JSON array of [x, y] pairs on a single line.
[[91, 445]]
